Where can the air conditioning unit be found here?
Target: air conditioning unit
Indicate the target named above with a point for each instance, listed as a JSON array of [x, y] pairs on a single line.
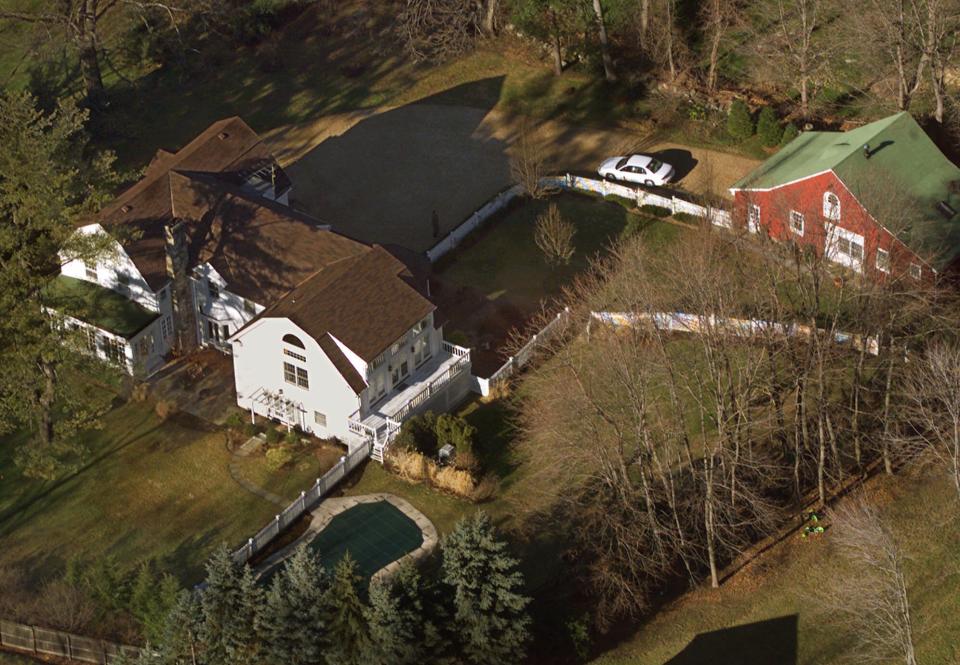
[[446, 454]]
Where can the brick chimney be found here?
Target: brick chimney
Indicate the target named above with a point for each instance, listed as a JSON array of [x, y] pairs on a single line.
[[184, 310]]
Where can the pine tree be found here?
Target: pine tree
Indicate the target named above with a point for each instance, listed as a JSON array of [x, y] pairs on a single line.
[[790, 132], [739, 122], [489, 609], [293, 626], [152, 599], [178, 643], [230, 604], [47, 182], [768, 127], [348, 638], [400, 631]]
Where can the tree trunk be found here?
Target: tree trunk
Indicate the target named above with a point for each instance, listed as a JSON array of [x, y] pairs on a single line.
[[556, 46], [489, 17], [714, 58], [85, 36], [45, 398], [804, 96], [708, 522], [608, 72], [644, 18], [885, 442]]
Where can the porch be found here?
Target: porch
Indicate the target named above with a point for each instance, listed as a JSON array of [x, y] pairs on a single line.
[[430, 380]]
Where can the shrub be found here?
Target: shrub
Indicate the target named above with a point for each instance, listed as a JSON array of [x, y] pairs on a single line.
[[629, 204], [456, 431], [278, 457], [140, 392], [790, 132], [656, 211], [467, 461], [273, 436], [292, 438], [235, 421], [409, 464], [251, 429], [554, 236], [739, 122], [451, 479], [164, 409], [486, 488], [768, 127], [458, 337], [419, 433], [687, 217]]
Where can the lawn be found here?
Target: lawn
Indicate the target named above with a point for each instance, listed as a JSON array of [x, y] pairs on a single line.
[[757, 616], [308, 464], [7, 658], [150, 489]]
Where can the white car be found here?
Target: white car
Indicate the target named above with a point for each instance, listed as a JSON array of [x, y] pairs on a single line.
[[639, 169]]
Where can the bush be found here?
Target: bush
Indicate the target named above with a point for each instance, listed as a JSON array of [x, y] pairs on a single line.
[[235, 421], [292, 438], [455, 431], [409, 464], [450, 479], [486, 488], [629, 204], [164, 409], [251, 429], [656, 211], [273, 436], [768, 127], [419, 433], [739, 122], [458, 337], [790, 132], [140, 392], [278, 457], [687, 217]]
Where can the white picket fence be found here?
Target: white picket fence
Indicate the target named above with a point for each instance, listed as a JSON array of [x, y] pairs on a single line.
[[697, 323], [716, 216], [41, 641], [303, 503], [523, 356]]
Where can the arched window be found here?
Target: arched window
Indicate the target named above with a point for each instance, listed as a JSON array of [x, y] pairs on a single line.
[[293, 340], [831, 206]]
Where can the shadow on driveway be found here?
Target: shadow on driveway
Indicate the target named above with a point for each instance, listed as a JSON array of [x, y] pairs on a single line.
[[385, 178], [770, 642]]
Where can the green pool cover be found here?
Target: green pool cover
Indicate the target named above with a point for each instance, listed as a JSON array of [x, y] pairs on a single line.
[[375, 534]]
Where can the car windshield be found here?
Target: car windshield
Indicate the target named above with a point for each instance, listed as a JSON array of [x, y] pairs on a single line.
[[622, 163], [654, 166]]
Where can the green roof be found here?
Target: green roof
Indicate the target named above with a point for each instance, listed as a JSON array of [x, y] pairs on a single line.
[[98, 306], [905, 171]]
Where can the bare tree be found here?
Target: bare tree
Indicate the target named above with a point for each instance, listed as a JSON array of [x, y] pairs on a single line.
[[608, 70], [717, 16], [554, 236], [871, 598], [440, 29], [527, 162], [889, 30], [941, 45]]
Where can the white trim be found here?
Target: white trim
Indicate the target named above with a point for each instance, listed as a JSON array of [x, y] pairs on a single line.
[[834, 235], [786, 184], [876, 260], [803, 223], [753, 225]]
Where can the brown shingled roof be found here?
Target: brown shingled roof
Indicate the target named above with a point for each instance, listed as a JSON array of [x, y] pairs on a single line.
[[367, 301]]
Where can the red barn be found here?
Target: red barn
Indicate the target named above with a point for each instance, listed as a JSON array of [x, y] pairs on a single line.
[[880, 198]]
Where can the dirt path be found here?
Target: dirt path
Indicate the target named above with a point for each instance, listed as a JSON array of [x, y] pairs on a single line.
[[385, 175]]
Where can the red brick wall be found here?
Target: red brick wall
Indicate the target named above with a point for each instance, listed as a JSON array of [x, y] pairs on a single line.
[[806, 197]]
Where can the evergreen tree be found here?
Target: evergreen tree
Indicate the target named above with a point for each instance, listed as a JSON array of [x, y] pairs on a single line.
[[348, 639], [400, 631], [293, 626], [768, 127], [151, 600], [230, 604], [179, 641], [49, 179], [739, 122], [790, 132], [489, 609]]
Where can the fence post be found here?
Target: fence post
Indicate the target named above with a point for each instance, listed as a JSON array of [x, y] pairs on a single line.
[[69, 646], [33, 637], [103, 652], [303, 501]]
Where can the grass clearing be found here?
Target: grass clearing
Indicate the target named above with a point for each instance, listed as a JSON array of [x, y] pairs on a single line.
[[779, 584], [308, 464], [151, 489]]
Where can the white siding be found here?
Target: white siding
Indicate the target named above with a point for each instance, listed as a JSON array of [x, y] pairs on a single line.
[[391, 361], [227, 309], [258, 366], [143, 353], [107, 269]]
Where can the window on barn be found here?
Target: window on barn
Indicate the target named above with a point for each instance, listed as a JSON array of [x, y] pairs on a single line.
[[916, 271], [753, 218], [796, 222], [293, 340], [831, 206], [883, 260]]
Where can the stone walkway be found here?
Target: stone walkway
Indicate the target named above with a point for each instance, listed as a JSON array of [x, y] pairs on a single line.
[[252, 444]]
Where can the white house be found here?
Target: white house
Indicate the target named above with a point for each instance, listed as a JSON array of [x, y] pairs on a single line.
[[328, 334]]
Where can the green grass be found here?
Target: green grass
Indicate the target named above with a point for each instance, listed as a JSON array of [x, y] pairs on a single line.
[[309, 463], [150, 489], [99, 306], [781, 583], [502, 260], [7, 658]]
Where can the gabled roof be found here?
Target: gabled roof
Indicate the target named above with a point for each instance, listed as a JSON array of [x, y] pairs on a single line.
[[367, 301], [98, 306], [185, 184], [900, 155]]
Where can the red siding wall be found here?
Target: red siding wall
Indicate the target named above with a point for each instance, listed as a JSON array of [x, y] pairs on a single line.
[[806, 197]]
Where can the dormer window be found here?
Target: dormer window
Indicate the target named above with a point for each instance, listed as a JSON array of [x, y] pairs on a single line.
[[831, 206], [420, 326]]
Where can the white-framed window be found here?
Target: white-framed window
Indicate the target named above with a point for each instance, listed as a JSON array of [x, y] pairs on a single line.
[[753, 218], [320, 418], [91, 269], [395, 348], [297, 356], [212, 290], [849, 247], [844, 246], [376, 362], [796, 222], [379, 386], [916, 271], [883, 260], [166, 326], [115, 349], [421, 326], [831, 206], [295, 375]]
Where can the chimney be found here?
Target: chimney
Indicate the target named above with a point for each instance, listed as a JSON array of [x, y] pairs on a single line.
[[178, 260], [866, 150]]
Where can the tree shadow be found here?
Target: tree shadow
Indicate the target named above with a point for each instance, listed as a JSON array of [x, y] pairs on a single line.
[[770, 642], [682, 161], [384, 178]]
